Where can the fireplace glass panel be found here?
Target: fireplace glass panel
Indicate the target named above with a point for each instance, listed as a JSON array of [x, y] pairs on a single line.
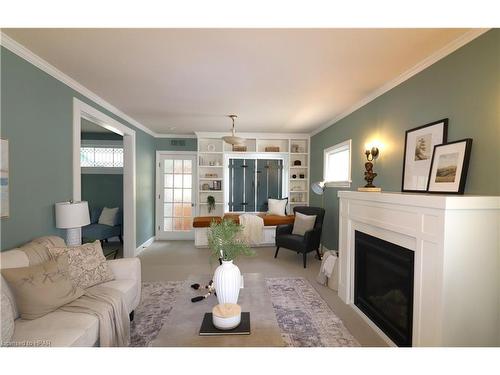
[[384, 285]]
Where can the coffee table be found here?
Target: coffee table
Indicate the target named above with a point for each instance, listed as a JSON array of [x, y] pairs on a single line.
[[184, 321]]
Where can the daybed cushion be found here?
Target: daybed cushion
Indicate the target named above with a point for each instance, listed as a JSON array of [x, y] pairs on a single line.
[[109, 216], [269, 220]]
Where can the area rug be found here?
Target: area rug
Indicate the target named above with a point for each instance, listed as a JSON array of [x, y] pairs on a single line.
[[157, 301], [304, 318]]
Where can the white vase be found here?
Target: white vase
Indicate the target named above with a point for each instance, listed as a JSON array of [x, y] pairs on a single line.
[[227, 281]]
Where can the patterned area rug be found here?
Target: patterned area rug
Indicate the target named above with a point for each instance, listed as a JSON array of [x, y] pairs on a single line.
[[304, 318], [157, 300]]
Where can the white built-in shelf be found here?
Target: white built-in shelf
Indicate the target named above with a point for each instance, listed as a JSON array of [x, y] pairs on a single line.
[[211, 191], [298, 202], [211, 178], [298, 167], [210, 166], [206, 204], [299, 153], [299, 179], [298, 191], [211, 152]]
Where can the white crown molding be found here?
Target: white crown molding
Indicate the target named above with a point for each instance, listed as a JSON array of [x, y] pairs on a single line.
[[40, 63], [428, 61]]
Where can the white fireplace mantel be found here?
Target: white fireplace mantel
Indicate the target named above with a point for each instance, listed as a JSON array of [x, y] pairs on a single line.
[[456, 265]]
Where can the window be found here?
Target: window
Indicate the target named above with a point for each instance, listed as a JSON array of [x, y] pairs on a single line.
[[337, 165], [101, 157]]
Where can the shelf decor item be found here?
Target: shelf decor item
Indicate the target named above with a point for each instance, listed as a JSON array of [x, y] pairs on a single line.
[[419, 144], [302, 175], [210, 203], [272, 149], [294, 148], [239, 148], [211, 147], [297, 163], [225, 243], [449, 166]]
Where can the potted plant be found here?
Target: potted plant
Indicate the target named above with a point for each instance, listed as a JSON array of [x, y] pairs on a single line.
[[211, 203], [224, 240]]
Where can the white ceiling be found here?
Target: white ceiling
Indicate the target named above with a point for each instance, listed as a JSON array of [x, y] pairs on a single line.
[[275, 80]]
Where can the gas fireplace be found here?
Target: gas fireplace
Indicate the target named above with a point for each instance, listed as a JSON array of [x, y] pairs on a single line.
[[383, 286]]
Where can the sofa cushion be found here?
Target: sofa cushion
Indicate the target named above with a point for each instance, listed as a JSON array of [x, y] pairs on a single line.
[[43, 288], [204, 221], [129, 289], [87, 264], [6, 317], [58, 328]]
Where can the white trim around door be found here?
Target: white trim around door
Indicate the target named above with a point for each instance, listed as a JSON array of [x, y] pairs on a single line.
[[83, 110]]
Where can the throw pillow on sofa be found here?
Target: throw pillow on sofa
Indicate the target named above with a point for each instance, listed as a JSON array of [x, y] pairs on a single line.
[[108, 216], [41, 289], [87, 264], [277, 206], [303, 223]]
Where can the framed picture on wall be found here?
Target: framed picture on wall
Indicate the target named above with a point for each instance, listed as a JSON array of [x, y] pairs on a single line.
[[4, 178], [449, 166], [419, 145]]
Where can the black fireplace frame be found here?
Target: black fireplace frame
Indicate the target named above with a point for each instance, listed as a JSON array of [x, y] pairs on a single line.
[[403, 257]]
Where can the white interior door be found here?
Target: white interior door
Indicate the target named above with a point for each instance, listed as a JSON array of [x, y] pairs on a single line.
[[176, 183]]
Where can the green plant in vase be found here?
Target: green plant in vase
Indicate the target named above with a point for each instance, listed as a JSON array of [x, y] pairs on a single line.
[[224, 240], [210, 203]]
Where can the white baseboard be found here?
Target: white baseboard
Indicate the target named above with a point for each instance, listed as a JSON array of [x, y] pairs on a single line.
[[146, 244]]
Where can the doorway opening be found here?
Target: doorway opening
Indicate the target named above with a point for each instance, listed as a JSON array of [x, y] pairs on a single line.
[[88, 156]]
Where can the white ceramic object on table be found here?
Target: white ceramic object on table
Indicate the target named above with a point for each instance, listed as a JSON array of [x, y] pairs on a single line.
[[227, 282], [227, 316]]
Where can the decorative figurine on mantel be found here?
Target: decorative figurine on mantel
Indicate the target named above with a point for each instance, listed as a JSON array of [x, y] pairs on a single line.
[[371, 155]]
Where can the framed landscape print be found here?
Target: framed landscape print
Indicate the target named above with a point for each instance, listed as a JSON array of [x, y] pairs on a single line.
[[419, 145], [449, 166], [4, 178]]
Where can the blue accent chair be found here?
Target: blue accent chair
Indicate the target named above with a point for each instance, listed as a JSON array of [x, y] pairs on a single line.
[[95, 231]]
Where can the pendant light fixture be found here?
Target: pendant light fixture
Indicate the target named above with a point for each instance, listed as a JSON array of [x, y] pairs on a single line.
[[233, 139]]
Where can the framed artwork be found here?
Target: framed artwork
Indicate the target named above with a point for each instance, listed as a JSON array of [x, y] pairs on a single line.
[[4, 178], [449, 166], [419, 145]]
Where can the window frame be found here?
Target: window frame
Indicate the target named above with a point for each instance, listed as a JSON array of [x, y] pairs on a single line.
[[101, 144], [342, 146]]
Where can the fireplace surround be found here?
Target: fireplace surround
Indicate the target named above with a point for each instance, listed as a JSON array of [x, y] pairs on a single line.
[[456, 252]]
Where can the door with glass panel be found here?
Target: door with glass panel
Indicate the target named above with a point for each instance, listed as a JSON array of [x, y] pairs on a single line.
[[176, 196]]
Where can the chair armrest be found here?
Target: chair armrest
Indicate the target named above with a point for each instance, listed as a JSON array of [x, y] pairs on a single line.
[[126, 268], [284, 229], [312, 238]]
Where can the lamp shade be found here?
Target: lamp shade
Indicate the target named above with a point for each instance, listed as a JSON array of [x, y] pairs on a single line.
[[318, 187], [72, 215]]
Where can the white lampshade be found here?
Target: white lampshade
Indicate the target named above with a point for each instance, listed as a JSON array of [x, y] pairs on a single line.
[[318, 187], [72, 215]]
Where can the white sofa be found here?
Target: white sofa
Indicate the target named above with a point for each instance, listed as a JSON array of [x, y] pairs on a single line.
[[60, 328]]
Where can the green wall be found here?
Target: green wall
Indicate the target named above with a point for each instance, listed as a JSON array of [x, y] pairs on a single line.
[[102, 136], [464, 87], [103, 190], [36, 117]]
